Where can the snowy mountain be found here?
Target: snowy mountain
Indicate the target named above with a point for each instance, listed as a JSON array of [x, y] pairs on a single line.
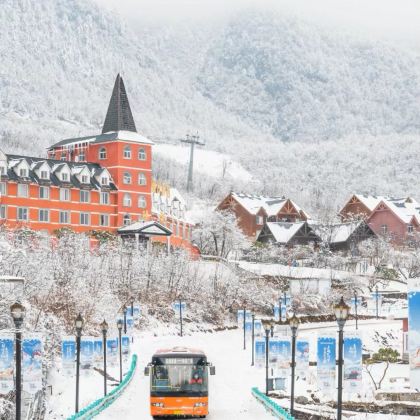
[[257, 84]]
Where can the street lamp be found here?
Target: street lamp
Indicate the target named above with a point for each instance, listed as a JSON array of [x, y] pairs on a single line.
[[78, 323], [253, 338], [104, 328], [355, 307], [120, 326], [244, 327], [18, 311], [267, 328], [125, 319], [294, 325], [341, 311]]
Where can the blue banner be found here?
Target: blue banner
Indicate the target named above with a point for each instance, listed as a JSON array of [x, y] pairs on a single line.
[[240, 317], [414, 331], [352, 356], [32, 355], [68, 354], [283, 314], [130, 325], [273, 351], [259, 353], [125, 346], [276, 313], [6, 363], [135, 312], [86, 352], [285, 352], [258, 327], [112, 350], [302, 357], [98, 352], [248, 328], [177, 304], [326, 351]]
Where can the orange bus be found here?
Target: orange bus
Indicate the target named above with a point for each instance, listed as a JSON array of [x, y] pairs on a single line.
[[179, 383]]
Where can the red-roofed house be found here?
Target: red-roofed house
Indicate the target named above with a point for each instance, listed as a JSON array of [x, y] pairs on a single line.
[[360, 206]]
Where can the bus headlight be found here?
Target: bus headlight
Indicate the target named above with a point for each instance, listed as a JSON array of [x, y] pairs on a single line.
[[158, 404], [200, 404]]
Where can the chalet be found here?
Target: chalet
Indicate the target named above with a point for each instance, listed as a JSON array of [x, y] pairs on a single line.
[[360, 206], [253, 211], [396, 219], [287, 234]]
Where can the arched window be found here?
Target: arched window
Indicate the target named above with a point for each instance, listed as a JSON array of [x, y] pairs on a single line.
[[102, 153], [126, 219], [142, 179], [142, 202], [127, 200], [142, 154], [127, 178], [127, 152]]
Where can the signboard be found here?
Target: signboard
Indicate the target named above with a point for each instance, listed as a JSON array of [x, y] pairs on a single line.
[[326, 350], [284, 358], [302, 357], [260, 353], [112, 351], [68, 354], [414, 331], [98, 352], [6, 363], [32, 352], [86, 352], [352, 356]]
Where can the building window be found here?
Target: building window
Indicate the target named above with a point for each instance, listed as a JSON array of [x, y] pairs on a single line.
[[127, 200], [142, 179], [3, 170], [3, 212], [260, 220], [410, 228], [64, 176], [63, 156], [84, 196], [127, 178], [104, 198], [142, 154], [44, 174], [127, 152], [102, 153], [64, 194], [104, 180], [44, 215], [126, 219], [44, 192], [84, 219], [142, 202], [23, 172], [85, 179], [103, 220], [64, 217], [384, 229], [22, 190], [81, 157], [22, 214], [3, 188]]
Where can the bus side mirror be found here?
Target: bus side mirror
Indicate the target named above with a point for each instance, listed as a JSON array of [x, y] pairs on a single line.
[[212, 370], [146, 371]]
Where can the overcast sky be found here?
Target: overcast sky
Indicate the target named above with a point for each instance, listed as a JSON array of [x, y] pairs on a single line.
[[400, 18]]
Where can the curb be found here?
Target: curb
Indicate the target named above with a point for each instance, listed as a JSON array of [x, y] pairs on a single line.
[[271, 405]]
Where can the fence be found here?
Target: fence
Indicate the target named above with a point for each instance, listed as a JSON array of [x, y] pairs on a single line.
[[271, 405], [101, 404]]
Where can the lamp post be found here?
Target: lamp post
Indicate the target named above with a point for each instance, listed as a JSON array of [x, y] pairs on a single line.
[[125, 319], [272, 331], [294, 324], [180, 315], [104, 328], [267, 328], [244, 328], [79, 326], [120, 326], [18, 311], [377, 302], [355, 307], [341, 311], [253, 338]]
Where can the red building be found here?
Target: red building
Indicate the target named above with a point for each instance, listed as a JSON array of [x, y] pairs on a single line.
[[99, 182], [253, 211], [360, 206]]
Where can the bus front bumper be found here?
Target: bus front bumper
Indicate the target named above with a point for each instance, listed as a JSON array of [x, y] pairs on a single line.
[[179, 407]]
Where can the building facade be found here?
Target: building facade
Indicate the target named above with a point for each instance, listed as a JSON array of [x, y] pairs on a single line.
[[99, 182]]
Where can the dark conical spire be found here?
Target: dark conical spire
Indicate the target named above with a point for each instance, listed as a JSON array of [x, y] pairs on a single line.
[[119, 116]]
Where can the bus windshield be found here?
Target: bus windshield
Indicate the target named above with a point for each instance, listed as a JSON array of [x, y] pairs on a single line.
[[179, 376]]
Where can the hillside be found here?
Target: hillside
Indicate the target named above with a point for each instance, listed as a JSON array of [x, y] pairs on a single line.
[[324, 112]]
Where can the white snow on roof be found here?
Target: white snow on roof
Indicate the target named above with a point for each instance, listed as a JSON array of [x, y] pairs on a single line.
[[283, 232], [405, 208], [126, 135], [337, 233], [370, 201], [271, 205]]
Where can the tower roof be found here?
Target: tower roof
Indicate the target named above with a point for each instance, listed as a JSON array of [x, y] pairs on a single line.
[[119, 116]]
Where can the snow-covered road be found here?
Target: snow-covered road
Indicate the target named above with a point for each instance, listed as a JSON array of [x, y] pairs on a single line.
[[230, 390]]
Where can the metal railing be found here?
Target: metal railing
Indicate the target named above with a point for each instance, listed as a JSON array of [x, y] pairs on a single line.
[[101, 404], [271, 405]]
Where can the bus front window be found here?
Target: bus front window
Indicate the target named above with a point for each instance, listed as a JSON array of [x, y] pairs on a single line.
[[190, 379]]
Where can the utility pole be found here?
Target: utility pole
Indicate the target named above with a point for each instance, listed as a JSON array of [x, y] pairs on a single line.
[[192, 141]]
